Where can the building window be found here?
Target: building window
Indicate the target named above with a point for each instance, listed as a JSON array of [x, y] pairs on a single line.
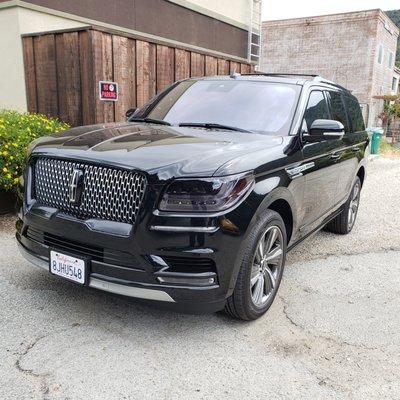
[[254, 47], [380, 54], [390, 62], [394, 85]]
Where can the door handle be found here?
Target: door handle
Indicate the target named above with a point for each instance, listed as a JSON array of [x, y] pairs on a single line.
[[335, 156], [355, 149]]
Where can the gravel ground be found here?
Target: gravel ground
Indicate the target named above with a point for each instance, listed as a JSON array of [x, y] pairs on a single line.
[[332, 333]]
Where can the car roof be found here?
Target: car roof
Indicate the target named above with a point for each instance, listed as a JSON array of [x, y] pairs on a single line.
[[294, 79]]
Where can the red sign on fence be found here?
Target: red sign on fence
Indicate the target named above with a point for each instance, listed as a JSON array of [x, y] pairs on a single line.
[[108, 91]]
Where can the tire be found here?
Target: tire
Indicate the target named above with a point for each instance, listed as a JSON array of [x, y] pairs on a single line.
[[343, 223], [247, 302]]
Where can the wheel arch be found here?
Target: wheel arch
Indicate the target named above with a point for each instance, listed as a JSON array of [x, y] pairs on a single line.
[[281, 201], [283, 208], [361, 174]]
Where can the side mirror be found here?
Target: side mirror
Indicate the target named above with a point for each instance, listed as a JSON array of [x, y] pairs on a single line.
[[324, 129], [130, 112]]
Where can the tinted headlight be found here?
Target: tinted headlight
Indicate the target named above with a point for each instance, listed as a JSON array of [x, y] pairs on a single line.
[[206, 194]]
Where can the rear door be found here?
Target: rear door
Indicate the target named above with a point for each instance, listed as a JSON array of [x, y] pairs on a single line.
[[321, 167], [350, 147]]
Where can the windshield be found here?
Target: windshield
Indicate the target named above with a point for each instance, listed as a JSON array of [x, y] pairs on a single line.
[[253, 106]]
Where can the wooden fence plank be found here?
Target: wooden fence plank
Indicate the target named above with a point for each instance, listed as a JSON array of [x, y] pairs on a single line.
[[103, 71], [97, 54], [145, 71], [197, 64], [108, 74], [62, 82], [74, 89], [182, 64], [30, 75], [46, 77], [87, 78], [124, 61], [234, 66], [223, 67], [68, 78], [244, 68], [211, 66], [165, 67]]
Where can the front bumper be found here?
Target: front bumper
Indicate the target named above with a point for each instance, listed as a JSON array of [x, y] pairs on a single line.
[[130, 291], [130, 255]]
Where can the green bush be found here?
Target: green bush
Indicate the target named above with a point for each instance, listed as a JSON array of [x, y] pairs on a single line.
[[16, 132]]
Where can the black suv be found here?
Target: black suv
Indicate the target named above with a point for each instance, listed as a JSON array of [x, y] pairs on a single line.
[[198, 197]]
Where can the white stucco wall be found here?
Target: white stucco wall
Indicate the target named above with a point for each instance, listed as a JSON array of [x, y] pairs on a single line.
[[31, 21], [15, 22], [12, 83]]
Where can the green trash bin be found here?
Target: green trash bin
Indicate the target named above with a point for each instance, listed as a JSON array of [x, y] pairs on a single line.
[[376, 139]]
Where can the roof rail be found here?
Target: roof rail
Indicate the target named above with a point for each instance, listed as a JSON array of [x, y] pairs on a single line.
[[323, 80], [315, 77], [279, 74]]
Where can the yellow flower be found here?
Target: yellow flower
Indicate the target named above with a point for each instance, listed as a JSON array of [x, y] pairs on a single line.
[[5, 169]]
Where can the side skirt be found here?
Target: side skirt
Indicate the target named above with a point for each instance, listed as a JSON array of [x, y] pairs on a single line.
[[317, 229]]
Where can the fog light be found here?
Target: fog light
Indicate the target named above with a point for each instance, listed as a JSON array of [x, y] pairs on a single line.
[[187, 279]]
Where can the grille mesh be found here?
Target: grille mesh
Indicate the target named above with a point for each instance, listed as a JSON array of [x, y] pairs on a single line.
[[108, 193]]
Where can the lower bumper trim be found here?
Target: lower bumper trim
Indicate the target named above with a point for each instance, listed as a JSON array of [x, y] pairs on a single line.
[[130, 291], [183, 229]]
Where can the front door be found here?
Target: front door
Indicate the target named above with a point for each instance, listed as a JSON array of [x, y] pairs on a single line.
[[321, 171]]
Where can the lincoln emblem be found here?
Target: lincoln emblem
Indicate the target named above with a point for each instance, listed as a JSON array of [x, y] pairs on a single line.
[[75, 186]]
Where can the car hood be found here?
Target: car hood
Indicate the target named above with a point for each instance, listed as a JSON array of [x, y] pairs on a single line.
[[164, 150]]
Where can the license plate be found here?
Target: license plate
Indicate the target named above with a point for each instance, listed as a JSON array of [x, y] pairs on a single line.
[[68, 267]]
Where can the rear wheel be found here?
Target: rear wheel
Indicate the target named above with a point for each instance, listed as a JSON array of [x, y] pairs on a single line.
[[261, 270], [344, 222]]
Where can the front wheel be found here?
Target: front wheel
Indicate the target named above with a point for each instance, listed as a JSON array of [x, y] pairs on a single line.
[[344, 222], [261, 270]]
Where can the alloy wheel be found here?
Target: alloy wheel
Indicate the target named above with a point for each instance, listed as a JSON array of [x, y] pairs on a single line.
[[353, 207], [266, 266]]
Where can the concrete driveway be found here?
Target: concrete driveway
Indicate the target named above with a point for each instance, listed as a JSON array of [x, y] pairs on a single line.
[[332, 333]]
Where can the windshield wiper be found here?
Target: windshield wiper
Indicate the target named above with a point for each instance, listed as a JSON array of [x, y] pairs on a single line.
[[210, 125], [150, 121]]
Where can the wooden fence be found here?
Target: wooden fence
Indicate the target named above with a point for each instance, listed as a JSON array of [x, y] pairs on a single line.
[[62, 71]]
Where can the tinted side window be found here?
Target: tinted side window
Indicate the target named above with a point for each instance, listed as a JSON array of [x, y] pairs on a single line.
[[355, 114], [338, 111], [317, 108]]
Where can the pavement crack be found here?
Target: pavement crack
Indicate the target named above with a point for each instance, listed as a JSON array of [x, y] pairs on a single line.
[[324, 256], [42, 378], [285, 312], [335, 341]]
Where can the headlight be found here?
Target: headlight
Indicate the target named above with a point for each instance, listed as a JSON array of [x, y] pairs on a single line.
[[206, 194]]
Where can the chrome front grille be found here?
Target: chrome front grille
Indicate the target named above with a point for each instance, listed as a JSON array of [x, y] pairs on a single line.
[[107, 193]]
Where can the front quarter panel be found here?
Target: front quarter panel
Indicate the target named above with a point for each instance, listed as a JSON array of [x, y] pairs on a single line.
[[273, 183]]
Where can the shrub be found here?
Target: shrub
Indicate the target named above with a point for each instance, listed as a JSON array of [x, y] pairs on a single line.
[[16, 132]]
